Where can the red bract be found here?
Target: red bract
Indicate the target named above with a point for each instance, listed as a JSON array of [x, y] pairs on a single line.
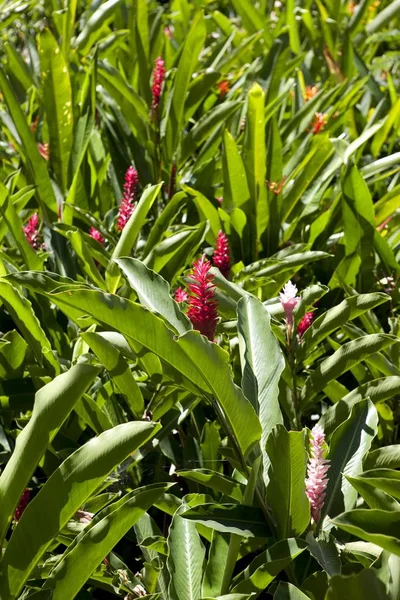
[[181, 295], [127, 207], [203, 308], [223, 87], [305, 323], [96, 235], [44, 150], [23, 503], [318, 123], [221, 257], [31, 231], [157, 83]]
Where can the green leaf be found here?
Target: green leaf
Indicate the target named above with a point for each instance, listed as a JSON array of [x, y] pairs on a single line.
[[154, 293], [220, 483], [23, 315], [65, 492], [36, 168], [255, 161], [119, 370], [349, 444], [93, 29], [325, 552], [186, 558], [335, 317], [346, 357], [97, 539], [245, 521], [286, 490], [357, 587], [120, 314], [263, 569], [212, 364], [374, 497], [262, 364], [53, 403], [187, 64], [13, 223], [287, 591], [381, 527], [130, 233], [236, 190], [167, 216], [377, 390], [383, 458], [57, 99], [387, 480]]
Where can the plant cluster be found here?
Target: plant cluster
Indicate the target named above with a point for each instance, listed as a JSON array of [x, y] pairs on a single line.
[[199, 267]]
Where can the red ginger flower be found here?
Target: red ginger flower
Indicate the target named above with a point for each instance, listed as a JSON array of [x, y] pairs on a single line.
[[96, 235], [181, 295], [221, 258], [158, 80], [223, 87], [305, 323], [23, 503], [31, 231], [203, 307], [317, 469], [44, 150], [318, 123], [127, 206]]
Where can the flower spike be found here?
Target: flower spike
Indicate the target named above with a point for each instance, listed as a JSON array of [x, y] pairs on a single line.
[[203, 307], [127, 205], [317, 469], [221, 257]]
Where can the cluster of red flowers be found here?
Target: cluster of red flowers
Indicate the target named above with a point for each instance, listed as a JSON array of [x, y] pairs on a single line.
[[31, 231], [157, 83], [318, 123], [202, 304], [23, 503], [96, 235], [127, 205], [305, 323], [221, 257]]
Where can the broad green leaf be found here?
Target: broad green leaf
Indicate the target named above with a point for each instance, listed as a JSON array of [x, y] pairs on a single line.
[[262, 364], [348, 446], [118, 369], [65, 492], [216, 564], [21, 310], [154, 293], [254, 162], [88, 264], [97, 539], [245, 521], [92, 29], [36, 168], [57, 99], [220, 483], [236, 191], [387, 457], [165, 219], [335, 317], [212, 364], [357, 586], [381, 527], [187, 64], [373, 496], [53, 403], [346, 357], [13, 223], [120, 314], [130, 233], [186, 558], [263, 569], [286, 491], [377, 390], [288, 591], [325, 552], [387, 480]]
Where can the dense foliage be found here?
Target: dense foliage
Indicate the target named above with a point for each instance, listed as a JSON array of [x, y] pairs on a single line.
[[199, 263]]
